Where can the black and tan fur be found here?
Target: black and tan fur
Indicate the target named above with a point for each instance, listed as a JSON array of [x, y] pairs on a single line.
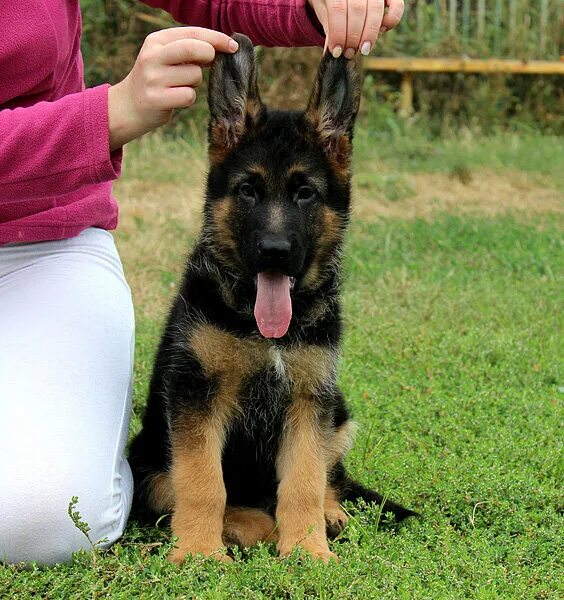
[[244, 437]]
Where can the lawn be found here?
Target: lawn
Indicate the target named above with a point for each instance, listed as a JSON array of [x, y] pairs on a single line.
[[451, 362]]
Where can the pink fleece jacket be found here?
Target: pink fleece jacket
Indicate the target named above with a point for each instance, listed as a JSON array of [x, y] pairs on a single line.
[[56, 169]]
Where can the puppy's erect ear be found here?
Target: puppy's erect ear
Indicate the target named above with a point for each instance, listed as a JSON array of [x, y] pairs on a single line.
[[333, 106], [233, 97]]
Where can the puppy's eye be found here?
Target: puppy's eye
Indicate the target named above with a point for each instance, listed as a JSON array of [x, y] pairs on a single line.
[[305, 194], [247, 191]]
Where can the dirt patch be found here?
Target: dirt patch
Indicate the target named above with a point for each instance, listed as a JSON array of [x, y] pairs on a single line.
[[485, 193], [158, 225], [157, 203]]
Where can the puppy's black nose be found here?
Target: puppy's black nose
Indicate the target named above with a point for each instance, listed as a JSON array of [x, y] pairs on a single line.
[[275, 248]]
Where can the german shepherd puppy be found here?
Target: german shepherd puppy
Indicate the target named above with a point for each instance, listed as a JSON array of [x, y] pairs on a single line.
[[245, 430]]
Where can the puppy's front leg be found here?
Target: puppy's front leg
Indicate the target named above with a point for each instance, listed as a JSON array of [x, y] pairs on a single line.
[[302, 475], [199, 490]]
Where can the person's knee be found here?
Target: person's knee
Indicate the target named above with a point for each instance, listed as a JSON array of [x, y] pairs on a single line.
[[36, 525]]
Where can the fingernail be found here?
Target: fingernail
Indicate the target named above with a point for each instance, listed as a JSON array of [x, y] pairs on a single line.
[[337, 51], [365, 49], [383, 29], [233, 45], [349, 53]]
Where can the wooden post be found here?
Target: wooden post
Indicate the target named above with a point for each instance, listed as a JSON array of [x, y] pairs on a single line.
[[543, 25], [406, 100], [437, 18], [452, 17], [497, 25], [420, 16], [444, 15], [465, 20], [512, 23], [481, 18]]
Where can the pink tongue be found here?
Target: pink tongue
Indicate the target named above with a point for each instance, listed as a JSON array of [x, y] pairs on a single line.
[[273, 307]]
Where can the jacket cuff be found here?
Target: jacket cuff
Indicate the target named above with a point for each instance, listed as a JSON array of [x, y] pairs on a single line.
[[312, 18], [310, 28], [105, 166]]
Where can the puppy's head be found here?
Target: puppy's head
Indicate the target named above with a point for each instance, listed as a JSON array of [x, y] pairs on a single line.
[[278, 190]]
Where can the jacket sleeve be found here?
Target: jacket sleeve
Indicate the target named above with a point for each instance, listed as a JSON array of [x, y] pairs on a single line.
[[52, 148], [266, 22]]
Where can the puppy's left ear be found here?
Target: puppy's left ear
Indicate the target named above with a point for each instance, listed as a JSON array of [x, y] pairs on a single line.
[[233, 97], [333, 106]]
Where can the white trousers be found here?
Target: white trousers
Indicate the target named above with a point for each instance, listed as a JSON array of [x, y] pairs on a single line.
[[66, 359]]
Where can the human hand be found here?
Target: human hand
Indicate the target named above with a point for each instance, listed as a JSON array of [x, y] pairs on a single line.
[[165, 76], [354, 25]]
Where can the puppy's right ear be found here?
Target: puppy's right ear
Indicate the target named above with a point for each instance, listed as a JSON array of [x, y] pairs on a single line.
[[333, 106], [233, 98]]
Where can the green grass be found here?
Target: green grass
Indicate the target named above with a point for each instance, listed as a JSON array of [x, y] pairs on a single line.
[[385, 144], [384, 140], [452, 363]]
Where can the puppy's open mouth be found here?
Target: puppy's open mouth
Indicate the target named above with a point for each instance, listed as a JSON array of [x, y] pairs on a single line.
[[273, 306]]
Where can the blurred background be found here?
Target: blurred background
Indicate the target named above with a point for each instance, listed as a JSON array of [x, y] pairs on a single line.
[[442, 102]]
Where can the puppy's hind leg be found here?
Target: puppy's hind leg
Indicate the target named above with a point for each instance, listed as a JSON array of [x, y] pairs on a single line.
[[335, 517], [337, 445], [244, 527]]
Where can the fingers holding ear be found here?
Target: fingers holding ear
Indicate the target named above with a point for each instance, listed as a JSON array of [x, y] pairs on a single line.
[[393, 15], [220, 41], [336, 11], [354, 25], [356, 17], [372, 26]]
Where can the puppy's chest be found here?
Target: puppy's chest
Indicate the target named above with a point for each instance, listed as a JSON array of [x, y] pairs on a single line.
[[254, 375]]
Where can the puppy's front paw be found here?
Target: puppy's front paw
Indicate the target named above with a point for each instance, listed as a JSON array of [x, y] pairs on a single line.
[[324, 556], [178, 554], [318, 551]]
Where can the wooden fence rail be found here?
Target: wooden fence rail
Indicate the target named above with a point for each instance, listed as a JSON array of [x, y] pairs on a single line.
[[409, 65], [472, 36], [464, 65]]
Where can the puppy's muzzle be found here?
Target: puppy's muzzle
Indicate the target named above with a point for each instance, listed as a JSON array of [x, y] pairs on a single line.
[[274, 253]]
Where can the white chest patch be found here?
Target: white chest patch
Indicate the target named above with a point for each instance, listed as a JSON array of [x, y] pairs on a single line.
[[276, 357]]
